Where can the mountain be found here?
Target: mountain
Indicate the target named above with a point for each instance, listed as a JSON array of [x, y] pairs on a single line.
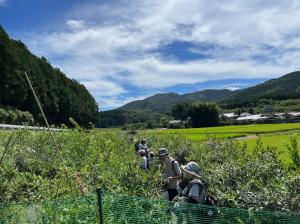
[[115, 118], [60, 96], [286, 87], [163, 102], [281, 94]]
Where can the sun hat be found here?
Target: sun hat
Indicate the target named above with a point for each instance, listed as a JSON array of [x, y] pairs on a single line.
[[152, 154], [192, 168], [162, 152]]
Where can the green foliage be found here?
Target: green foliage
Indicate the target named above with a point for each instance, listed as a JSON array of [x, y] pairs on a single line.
[[136, 126], [231, 131], [65, 210], [292, 146], [163, 122], [251, 110], [253, 99], [204, 115], [163, 102], [180, 125], [180, 110], [200, 115], [10, 116], [118, 118], [32, 170], [60, 97], [283, 88]]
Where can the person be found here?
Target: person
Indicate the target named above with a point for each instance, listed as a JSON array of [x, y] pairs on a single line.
[[143, 146], [172, 173], [144, 161], [194, 192], [136, 146], [151, 159]]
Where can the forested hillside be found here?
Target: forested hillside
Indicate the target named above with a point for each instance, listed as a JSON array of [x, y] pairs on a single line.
[[281, 95], [164, 102], [286, 87], [115, 118], [61, 97]]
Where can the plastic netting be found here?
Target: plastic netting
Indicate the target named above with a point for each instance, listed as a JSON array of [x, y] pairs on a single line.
[[128, 209], [119, 208], [67, 210]]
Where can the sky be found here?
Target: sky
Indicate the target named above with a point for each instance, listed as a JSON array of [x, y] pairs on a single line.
[[125, 50]]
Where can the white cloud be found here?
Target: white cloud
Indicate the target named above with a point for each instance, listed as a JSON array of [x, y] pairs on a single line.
[[111, 41], [75, 24], [113, 102], [102, 88], [232, 88]]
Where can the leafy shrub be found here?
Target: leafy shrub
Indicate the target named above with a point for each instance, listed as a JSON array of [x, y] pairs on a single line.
[[292, 146], [234, 175], [8, 116]]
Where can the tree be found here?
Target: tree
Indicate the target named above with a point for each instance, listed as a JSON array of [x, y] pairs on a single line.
[[268, 109], [180, 110], [251, 110], [163, 121], [204, 115], [61, 98]]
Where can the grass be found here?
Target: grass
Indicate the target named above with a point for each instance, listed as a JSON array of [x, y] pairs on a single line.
[[270, 135], [277, 140], [200, 134]]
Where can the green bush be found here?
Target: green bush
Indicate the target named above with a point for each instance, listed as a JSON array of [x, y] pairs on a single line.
[[10, 116], [32, 169]]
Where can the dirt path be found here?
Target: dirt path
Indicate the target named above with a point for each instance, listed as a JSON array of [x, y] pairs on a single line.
[[247, 137], [264, 134]]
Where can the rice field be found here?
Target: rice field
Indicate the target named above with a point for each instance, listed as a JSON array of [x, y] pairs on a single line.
[[268, 135], [200, 134]]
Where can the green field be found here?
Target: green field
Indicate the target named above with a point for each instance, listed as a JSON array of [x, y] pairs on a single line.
[[270, 135], [277, 140], [200, 134]]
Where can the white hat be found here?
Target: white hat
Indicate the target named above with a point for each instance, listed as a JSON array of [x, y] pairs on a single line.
[[192, 168]]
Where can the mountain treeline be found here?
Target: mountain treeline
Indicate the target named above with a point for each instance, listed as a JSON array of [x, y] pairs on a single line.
[[157, 109], [163, 102], [280, 95], [61, 98], [13, 116], [117, 118], [286, 87], [197, 114]]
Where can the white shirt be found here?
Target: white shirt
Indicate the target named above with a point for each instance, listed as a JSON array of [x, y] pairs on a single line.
[[143, 147], [144, 163]]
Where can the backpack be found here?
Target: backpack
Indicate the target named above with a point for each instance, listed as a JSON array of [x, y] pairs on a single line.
[[173, 167], [202, 191], [205, 198], [210, 200], [136, 146]]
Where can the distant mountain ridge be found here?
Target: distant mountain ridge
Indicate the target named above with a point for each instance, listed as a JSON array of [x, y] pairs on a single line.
[[283, 88], [270, 93], [163, 102]]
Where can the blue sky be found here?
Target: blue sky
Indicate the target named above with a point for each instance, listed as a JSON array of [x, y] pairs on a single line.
[[128, 50]]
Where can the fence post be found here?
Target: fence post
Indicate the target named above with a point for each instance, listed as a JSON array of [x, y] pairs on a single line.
[[100, 205]]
